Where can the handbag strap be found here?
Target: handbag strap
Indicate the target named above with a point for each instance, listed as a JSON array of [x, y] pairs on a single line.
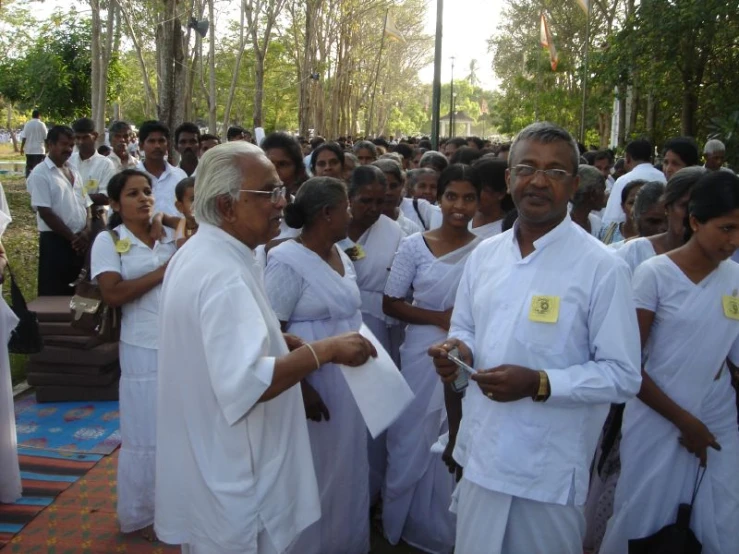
[[86, 273], [16, 295], [699, 475], [418, 213]]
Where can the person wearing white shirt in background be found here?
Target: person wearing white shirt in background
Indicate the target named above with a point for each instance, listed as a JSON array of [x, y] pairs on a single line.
[[588, 198], [394, 195], [714, 153], [95, 169], [421, 190], [119, 135], [234, 466], [129, 269], [154, 142], [32, 145], [638, 163], [603, 161], [684, 420], [187, 143], [495, 201], [61, 204], [545, 315]]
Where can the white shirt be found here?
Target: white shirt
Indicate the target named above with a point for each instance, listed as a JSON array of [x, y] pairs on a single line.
[[408, 226], [542, 451], [163, 188], [131, 162], [140, 321], [644, 171], [228, 466], [34, 131], [49, 188], [95, 171], [430, 214]]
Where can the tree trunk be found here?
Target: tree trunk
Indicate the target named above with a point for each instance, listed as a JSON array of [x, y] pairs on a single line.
[[304, 75], [689, 108], [9, 125], [151, 99], [651, 117], [96, 55], [212, 98], [171, 79], [258, 88], [235, 73]]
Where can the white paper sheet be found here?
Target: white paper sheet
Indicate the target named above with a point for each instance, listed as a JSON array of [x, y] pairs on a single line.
[[378, 388]]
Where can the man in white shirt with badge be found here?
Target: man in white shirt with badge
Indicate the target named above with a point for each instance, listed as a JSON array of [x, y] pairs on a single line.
[[95, 169], [32, 144], [154, 142], [234, 471], [61, 204], [638, 163], [544, 314], [119, 136]]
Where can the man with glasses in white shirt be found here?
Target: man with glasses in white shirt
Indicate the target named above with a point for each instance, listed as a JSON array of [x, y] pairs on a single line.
[[545, 316]]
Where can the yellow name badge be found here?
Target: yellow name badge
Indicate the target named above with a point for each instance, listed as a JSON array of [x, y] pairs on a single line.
[[544, 309], [90, 186], [731, 307]]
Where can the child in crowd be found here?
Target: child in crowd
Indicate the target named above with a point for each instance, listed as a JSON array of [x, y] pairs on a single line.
[[185, 194]]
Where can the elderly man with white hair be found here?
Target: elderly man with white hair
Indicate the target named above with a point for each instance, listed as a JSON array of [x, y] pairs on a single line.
[[234, 470], [714, 153]]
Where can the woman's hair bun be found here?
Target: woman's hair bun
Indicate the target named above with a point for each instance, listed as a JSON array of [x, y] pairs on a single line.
[[294, 216]]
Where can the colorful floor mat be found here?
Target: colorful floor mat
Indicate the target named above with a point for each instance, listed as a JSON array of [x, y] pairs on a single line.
[[84, 427], [45, 474], [82, 520]]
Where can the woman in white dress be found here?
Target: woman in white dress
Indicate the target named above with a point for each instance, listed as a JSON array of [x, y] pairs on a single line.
[[130, 268], [685, 417], [495, 201], [675, 200], [418, 485], [395, 177], [372, 242], [10, 476], [313, 289]]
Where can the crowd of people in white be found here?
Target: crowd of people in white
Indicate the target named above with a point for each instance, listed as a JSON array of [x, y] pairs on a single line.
[[570, 338]]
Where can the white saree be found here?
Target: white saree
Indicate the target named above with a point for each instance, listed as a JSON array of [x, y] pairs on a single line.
[[318, 303], [690, 340], [10, 477], [418, 486]]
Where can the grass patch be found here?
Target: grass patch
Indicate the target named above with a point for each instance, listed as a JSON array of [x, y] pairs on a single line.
[[8, 154], [21, 244]]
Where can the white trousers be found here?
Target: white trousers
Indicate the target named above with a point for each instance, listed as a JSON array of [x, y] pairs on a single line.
[[264, 546], [490, 522]]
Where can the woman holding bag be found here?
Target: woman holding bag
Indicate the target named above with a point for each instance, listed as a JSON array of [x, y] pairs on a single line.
[[129, 266]]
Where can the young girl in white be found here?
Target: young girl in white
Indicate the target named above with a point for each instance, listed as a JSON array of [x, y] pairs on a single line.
[[129, 266], [685, 415]]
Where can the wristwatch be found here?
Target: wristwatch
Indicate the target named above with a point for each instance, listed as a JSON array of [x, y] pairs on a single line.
[[544, 390]]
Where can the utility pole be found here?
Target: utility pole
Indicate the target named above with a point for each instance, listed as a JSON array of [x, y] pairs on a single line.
[[436, 87], [451, 103]]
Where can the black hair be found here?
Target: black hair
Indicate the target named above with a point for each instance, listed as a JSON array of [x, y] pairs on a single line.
[[602, 155], [333, 147], [419, 150], [716, 194], [35, 113], [312, 197], [182, 186], [104, 150], [119, 126], [478, 142], [640, 150], [366, 145], [152, 126], [208, 136], [83, 125], [685, 148], [681, 183], [465, 155], [380, 141], [315, 142], [57, 131], [492, 176], [388, 165], [289, 145], [186, 127], [434, 160], [459, 142], [458, 172], [115, 189], [234, 131], [364, 175], [425, 143], [629, 187], [405, 150]]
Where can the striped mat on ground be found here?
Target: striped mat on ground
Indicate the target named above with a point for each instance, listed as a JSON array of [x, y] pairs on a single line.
[[82, 520], [45, 474]]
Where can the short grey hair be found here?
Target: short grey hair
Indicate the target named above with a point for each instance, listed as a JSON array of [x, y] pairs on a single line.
[[649, 195], [434, 160], [713, 146], [219, 174], [590, 178], [352, 157], [415, 174], [682, 182], [391, 166], [392, 156], [365, 145], [546, 133]]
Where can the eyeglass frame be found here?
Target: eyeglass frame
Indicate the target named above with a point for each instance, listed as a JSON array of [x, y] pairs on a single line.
[[278, 193], [551, 175]]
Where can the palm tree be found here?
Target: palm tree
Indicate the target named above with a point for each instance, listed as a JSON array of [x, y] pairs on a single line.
[[472, 76]]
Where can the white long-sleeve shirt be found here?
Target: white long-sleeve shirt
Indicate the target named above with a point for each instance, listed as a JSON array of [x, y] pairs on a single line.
[[644, 171], [542, 450]]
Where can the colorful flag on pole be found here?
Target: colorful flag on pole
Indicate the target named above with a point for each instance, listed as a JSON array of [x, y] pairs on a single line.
[[545, 37], [391, 31], [585, 5]]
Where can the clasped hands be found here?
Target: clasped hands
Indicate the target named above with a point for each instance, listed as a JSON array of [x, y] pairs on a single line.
[[504, 383]]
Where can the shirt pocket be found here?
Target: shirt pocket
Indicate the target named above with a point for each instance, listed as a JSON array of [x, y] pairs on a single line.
[[546, 338]]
